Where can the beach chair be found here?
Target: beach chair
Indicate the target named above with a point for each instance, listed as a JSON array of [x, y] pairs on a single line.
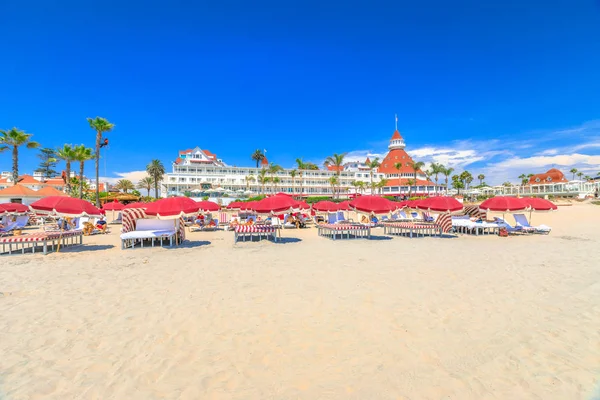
[[427, 217], [403, 217], [332, 218], [8, 229], [286, 224], [251, 218], [341, 216], [510, 229], [521, 220], [224, 220]]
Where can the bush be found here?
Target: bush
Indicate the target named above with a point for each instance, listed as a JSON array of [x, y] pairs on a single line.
[[204, 198], [315, 199], [256, 198], [596, 202]]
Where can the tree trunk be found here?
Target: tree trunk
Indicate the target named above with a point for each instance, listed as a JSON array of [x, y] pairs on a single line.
[[98, 140], [15, 156], [155, 188], [81, 179], [68, 173]]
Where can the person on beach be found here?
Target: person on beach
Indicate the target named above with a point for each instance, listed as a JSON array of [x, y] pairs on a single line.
[[101, 225]]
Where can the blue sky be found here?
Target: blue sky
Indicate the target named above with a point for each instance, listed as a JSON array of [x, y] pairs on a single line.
[[499, 87]]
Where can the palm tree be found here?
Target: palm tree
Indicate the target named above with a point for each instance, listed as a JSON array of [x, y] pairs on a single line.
[[262, 179], [436, 169], [146, 183], [579, 175], [16, 138], [82, 154], [156, 170], [100, 125], [523, 179], [333, 181], [481, 177], [293, 174], [275, 181], [381, 184], [372, 165], [573, 171], [273, 169], [398, 167], [361, 186], [587, 178], [447, 172], [248, 178], [67, 154], [416, 166], [257, 156], [124, 185], [337, 161], [311, 166], [301, 168]]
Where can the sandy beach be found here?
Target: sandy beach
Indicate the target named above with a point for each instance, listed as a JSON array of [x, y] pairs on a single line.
[[309, 318]]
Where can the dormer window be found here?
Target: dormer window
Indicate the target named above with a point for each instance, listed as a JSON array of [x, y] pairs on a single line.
[[537, 179], [549, 179]]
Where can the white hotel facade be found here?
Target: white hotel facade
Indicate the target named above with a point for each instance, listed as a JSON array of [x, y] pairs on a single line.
[[197, 170]]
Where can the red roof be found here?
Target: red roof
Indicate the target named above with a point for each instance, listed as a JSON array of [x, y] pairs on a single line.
[[393, 157], [264, 162], [367, 161], [551, 176], [54, 182], [396, 135], [18, 190], [50, 191], [335, 168], [24, 180]]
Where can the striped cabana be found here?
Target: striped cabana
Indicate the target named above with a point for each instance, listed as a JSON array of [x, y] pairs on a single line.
[[131, 215]]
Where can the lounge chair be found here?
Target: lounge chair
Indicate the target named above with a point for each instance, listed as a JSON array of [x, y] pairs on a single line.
[[150, 229], [332, 218], [8, 229], [510, 229], [286, 224], [521, 220]]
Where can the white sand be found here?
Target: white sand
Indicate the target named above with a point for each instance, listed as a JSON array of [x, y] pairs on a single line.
[[466, 318]]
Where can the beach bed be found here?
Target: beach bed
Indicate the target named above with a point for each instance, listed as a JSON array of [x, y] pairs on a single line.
[[351, 231], [40, 240], [243, 231], [409, 229], [149, 229]]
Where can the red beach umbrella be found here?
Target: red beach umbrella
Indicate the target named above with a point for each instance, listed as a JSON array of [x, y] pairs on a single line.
[[172, 207], [373, 204], [325, 206], [539, 204], [137, 204], [208, 205], [248, 205], [65, 206], [274, 204], [504, 204], [13, 208], [344, 206], [440, 204], [235, 205], [283, 194], [113, 206], [302, 205]]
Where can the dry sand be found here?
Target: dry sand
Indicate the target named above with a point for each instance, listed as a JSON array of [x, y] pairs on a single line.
[[464, 318]]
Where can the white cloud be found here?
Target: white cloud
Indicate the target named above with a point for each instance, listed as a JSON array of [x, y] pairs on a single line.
[[361, 155], [564, 160], [133, 176]]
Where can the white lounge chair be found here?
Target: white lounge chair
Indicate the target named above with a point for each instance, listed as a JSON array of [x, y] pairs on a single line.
[[511, 229], [286, 224], [521, 220], [150, 229]]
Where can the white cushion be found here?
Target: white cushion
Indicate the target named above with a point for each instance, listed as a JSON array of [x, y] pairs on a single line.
[[155, 224], [148, 234]]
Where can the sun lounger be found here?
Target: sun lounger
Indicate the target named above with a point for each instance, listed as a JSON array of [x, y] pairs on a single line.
[[521, 220], [245, 231], [45, 240], [149, 229], [286, 224], [350, 231], [411, 229], [8, 229], [510, 229]]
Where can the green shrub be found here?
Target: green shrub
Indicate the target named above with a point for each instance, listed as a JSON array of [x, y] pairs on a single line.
[[205, 198], [315, 199], [256, 198], [596, 202]]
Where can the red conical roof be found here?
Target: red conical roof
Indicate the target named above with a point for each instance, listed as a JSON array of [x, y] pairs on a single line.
[[396, 135], [264, 162], [367, 161]]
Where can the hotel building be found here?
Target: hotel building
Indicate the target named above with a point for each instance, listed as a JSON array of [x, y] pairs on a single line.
[[197, 170]]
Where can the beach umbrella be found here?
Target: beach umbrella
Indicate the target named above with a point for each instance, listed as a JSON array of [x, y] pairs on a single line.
[[344, 206], [373, 204], [274, 204], [504, 204], [539, 204], [247, 205], [208, 206], [283, 194], [172, 207], [136, 204], [113, 206], [302, 205], [440, 204], [65, 207], [325, 206], [13, 208], [234, 205]]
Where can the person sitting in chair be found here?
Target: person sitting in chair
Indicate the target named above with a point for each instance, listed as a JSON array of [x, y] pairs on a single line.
[[364, 220], [88, 228], [101, 225]]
